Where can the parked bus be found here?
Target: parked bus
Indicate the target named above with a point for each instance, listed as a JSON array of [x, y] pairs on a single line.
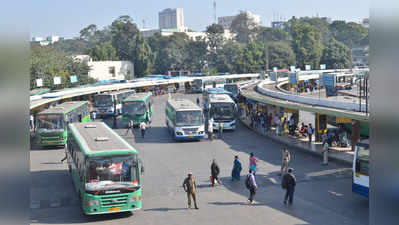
[[212, 91], [184, 119], [234, 88], [105, 169], [223, 110], [199, 85], [51, 124], [110, 103], [137, 107], [360, 182]]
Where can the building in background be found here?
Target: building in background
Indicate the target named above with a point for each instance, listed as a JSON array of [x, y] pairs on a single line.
[[49, 40], [171, 19], [226, 21], [278, 24], [191, 34], [108, 70]]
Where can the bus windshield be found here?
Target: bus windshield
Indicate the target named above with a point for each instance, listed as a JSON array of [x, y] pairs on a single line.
[[134, 108], [112, 172], [50, 122], [222, 111], [189, 118], [103, 100]]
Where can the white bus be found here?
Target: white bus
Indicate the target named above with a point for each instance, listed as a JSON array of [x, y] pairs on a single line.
[[110, 103], [223, 110], [360, 181], [199, 85], [184, 119]]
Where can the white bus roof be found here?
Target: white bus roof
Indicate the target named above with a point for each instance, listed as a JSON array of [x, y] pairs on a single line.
[[116, 92], [220, 98], [183, 104]]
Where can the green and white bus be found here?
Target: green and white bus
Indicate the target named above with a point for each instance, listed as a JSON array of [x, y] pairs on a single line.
[[105, 169], [110, 103], [51, 124], [184, 119], [137, 107]]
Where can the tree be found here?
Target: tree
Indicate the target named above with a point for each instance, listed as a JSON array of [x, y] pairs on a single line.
[[46, 63], [215, 39], [244, 28], [336, 55], [281, 55], [306, 44], [267, 34], [130, 45], [230, 57], [196, 55], [103, 52], [253, 58], [351, 34], [72, 46]]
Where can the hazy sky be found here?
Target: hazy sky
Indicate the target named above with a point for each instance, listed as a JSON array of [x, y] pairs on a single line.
[[67, 18]]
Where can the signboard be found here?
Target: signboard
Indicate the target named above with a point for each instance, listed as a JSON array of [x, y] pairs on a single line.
[[39, 82], [329, 80], [287, 110], [74, 79], [293, 78], [342, 120], [273, 76], [331, 91], [275, 69], [308, 67], [57, 80], [322, 66], [292, 68]]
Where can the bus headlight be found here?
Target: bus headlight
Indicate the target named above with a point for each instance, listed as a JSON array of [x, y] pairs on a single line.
[[92, 203], [201, 132], [179, 133], [135, 198]]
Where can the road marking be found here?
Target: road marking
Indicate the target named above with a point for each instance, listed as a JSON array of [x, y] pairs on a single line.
[[273, 180], [335, 193]]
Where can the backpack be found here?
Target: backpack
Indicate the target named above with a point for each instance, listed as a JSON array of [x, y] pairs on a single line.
[[247, 182]]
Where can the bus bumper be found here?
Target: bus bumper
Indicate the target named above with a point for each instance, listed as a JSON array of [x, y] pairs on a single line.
[[361, 190], [188, 138], [51, 143]]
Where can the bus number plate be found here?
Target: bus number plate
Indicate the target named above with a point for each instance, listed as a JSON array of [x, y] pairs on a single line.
[[190, 136], [114, 209]]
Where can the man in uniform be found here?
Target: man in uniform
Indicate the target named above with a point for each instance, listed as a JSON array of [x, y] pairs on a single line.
[[190, 187]]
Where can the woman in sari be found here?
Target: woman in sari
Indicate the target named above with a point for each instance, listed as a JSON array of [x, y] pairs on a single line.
[[235, 173]]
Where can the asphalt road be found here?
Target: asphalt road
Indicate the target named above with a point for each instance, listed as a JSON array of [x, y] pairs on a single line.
[[323, 194]]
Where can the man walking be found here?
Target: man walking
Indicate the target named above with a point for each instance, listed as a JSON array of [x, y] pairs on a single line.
[[210, 129], [285, 161], [129, 127], [289, 183], [250, 183], [221, 130], [93, 115], [143, 127], [190, 187], [310, 132], [215, 173]]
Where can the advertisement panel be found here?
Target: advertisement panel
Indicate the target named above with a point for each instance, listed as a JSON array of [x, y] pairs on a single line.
[[329, 80], [57, 80], [322, 66], [292, 68], [308, 67], [74, 79], [39, 82], [293, 78], [273, 76]]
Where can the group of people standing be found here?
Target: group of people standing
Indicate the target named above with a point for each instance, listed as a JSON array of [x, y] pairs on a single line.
[[130, 127], [288, 179]]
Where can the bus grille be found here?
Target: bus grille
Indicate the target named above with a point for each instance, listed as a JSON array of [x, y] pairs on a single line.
[[113, 201], [190, 130]]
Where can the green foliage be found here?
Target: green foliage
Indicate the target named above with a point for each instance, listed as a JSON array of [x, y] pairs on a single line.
[[72, 46], [351, 34], [244, 28], [306, 45], [103, 52], [230, 57], [196, 57], [47, 63], [253, 58], [280, 55], [267, 34], [336, 55]]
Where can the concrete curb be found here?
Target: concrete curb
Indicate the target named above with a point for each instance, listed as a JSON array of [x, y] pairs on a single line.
[[293, 145]]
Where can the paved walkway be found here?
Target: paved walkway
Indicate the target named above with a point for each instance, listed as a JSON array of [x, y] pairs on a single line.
[[343, 155]]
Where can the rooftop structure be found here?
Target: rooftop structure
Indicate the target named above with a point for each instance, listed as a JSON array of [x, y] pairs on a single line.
[[171, 19], [183, 104], [226, 21]]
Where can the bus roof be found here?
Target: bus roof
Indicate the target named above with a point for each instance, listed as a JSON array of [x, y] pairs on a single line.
[[97, 139], [137, 97], [64, 107], [220, 98], [115, 92], [217, 91], [183, 104]]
